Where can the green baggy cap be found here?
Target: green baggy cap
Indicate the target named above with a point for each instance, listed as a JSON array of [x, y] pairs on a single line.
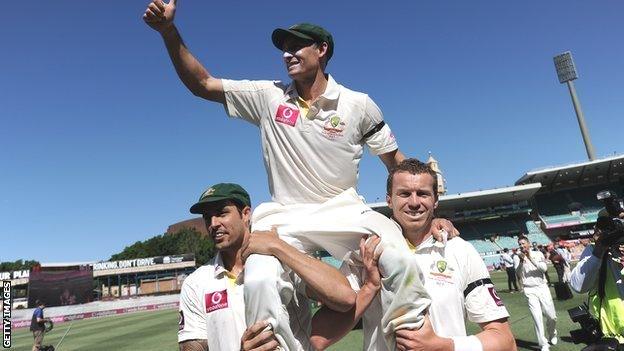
[[305, 31], [220, 192]]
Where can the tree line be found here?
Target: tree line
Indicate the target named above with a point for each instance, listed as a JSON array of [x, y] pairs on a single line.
[[18, 265], [186, 240]]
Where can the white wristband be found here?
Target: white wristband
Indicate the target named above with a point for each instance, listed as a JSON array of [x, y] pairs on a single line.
[[467, 343]]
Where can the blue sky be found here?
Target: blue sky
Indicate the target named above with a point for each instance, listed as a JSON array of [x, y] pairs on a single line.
[[101, 145]]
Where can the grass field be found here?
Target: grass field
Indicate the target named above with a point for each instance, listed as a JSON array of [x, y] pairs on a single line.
[[157, 330]]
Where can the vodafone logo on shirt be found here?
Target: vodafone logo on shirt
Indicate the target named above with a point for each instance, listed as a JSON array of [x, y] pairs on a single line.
[[287, 115], [216, 300]]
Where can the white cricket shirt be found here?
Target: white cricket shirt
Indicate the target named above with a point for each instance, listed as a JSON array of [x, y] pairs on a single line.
[[212, 307], [312, 158], [447, 274]]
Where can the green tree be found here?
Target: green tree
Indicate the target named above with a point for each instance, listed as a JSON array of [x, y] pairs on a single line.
[[185, 241], [17, 265]]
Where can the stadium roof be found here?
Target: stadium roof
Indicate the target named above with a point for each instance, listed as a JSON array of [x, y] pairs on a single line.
[[488, 198], [482, 198], [585, 173]]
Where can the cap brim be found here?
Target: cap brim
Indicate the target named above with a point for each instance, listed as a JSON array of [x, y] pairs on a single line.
[[200, 207], [280, 34]]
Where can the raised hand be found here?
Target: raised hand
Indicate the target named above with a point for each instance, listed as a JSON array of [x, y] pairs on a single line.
[[370, 258], [159, 15], [259, 338], [260, 242]]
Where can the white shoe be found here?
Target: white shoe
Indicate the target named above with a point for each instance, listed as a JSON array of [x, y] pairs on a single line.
[[545, 348], [554, 340]]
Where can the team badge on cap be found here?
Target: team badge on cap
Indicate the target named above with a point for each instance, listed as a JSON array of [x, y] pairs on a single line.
[[216, 300]]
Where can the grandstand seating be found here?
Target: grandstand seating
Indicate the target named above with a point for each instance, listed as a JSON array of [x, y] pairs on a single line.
[[579, 218], [556, 203], [535, 234], [491, 261], [507, 242], [484, 247], [539, 238]]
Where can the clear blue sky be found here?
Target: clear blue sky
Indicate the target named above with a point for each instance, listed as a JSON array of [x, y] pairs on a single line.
[[101, 145]]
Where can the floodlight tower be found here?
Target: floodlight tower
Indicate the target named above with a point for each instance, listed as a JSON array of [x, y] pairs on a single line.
[[566, 71]]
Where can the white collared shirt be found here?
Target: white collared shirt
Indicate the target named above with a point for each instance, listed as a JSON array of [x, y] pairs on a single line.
[[212, 307], [531, 273], [448, 271], [309, 159]]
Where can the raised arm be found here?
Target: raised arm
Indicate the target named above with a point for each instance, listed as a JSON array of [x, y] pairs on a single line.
[[159, 16], [328, 326], [539, 262], [324, 282]]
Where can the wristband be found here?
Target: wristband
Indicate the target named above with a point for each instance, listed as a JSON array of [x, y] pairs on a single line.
[[467, 343]]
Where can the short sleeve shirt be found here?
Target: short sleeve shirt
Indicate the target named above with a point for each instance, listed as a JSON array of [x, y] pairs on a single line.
[[311, 158], [449, 272], [212, 307], [34, 325], [530, 275]]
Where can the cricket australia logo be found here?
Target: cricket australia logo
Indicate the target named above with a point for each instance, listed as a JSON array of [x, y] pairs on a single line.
[[441, 265], [216, 300], [334, 128]]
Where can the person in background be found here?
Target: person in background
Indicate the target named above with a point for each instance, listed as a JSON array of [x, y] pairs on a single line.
[[531, 266], [508, 262], [37, 325]]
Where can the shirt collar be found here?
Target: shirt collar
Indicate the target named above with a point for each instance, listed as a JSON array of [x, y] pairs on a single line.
[[331, 93], [219, 266], [429, 242], [220, 270]]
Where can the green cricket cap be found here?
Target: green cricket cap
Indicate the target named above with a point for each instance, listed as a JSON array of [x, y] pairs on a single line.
[[305, 31], [220, 192]]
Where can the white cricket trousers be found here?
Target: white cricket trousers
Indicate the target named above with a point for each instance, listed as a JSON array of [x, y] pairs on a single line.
[[541, 304], [337, 227]]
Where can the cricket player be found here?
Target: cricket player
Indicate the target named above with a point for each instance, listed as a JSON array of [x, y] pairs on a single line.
[[530, 266], [313, 134], [212, 310], [454, 275]]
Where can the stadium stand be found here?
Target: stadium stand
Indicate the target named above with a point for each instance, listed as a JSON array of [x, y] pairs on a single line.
[[566, 204]]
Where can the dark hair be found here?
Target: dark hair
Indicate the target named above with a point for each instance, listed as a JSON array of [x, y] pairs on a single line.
[[523, 237], [505, 250], [412, 166]]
